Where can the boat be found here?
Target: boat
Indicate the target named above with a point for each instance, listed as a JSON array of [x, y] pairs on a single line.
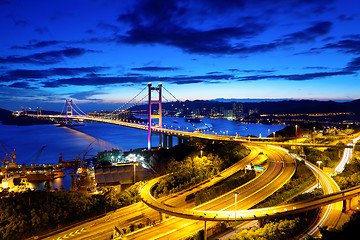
[[36, 176], [7, 182], [71, 124], [193, 119], [59, 174]]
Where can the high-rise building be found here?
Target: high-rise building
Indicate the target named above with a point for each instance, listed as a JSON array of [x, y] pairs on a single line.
[[237, 110]]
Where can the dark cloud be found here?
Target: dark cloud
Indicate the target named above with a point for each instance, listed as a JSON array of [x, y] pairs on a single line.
[[345, 45], [308, 34], [23, 74], [50, 57], [163, 22], [166, 22], [343, 17], [354, 65], [38, 44], [297, 77], [155, 69], [25, 85], [106, 26], [86, 95], [192, 40], [95, 81], [98, 81], [42, 30], [222, 40], [18, 22], [183, 79]]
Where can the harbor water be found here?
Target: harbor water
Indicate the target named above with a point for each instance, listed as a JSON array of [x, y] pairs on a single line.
[[96, 137]]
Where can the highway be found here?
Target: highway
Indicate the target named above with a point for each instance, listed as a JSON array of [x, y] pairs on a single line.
[[278, 167], [136, 213], [278, 172], [329, 215], [102, 228]]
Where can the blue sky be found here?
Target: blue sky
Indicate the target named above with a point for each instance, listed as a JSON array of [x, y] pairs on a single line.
[[102, 53]]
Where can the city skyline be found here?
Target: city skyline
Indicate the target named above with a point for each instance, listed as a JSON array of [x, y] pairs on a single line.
[[104, 53]]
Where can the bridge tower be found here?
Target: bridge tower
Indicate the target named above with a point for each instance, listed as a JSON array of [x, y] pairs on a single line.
[[69, 109], [150, 115]]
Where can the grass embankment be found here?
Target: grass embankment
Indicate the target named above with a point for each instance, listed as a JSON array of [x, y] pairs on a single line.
[[350, 177], [34, 212], [302, 178], [217, 156], [224, 186], [330, 157], [278, 228]]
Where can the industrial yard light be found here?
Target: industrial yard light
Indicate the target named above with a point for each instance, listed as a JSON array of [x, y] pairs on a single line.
[[236, 194]]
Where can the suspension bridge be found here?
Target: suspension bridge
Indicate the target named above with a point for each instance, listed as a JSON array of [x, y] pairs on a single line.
[[154, 122], [281, 170]]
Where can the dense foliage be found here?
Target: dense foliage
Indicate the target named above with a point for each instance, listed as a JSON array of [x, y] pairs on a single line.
[[33, 212], [348, 231], [350, 177], [194, 169], [273, 230], [223, 187], [330, 157], [187, 173]]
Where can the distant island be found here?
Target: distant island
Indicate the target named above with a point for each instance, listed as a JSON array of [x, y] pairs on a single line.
[[7, 118]]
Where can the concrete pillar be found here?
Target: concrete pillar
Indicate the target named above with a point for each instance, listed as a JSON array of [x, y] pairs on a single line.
[[179, 140], [205, 231], [170, 141], [161, 216], [161, 140], [260, 223], [165, 144], [347, 205]]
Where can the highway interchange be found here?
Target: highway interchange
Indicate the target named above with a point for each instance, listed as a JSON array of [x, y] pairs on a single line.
[[280, 168]]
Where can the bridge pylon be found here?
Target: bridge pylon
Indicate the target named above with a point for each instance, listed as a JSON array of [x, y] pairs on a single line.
[[154, 116], [69, 109]]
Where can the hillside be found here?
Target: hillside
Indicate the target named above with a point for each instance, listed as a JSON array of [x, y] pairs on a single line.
[[7, 118]]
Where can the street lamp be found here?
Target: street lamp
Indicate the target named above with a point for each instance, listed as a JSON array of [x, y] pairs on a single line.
[[296, 126], [319, 162], [201, 153]]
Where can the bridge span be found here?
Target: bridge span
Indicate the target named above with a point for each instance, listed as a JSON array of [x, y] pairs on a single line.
[[167, 135]]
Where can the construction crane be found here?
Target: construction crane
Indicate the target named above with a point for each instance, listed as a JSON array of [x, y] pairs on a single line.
[[42, 148], [12, 157], [82, 165]]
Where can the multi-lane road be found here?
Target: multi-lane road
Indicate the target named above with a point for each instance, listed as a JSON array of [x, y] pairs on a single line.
[[102, 228], [279, 170]]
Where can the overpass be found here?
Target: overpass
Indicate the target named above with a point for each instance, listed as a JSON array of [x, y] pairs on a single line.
[[252, 214], [333, 202]]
